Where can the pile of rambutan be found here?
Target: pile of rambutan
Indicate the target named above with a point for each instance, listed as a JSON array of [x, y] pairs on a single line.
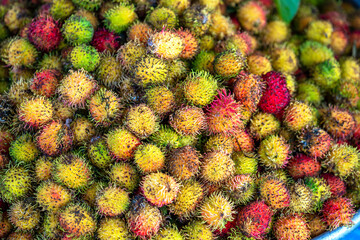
[[178, 119]]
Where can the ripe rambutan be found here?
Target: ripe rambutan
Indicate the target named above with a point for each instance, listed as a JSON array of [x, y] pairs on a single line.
[[338, 212], [45, 82], [301, 166], [276, 95], [105, 40], [255, 219], [24, 215], [337, 186], [124, 175], [339, 123], [149, 158], [275, 193], [219, 142], [339, 41], [191, 45], [51, 196], [36, 112], [139, 31], [229, 63], [188, 120], [243, 141], [240, 188], [83, 130], [258, 64], [184, 163], [223, 115], [291, 227], [252, 16], [44, 33], [166, 44]]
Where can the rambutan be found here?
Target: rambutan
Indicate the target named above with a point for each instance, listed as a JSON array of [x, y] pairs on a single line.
[[240, 188], [112, 201], [276, 95], [274, 152], [184, 163], [223, 115], [44, 32], [275, 193], [300, 198], [337, 186], [252, 16], [291, 227], [301, 166], [45, 82], [243, 141], [188, 120], [338, 212], [149, 158], [105, 41]]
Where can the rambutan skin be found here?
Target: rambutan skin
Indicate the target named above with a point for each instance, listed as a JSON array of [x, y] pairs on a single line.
[[276, 95], [44, 32], [338, 212]]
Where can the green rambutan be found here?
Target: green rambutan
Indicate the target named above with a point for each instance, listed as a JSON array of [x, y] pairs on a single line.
[[23, 149], [320, 30], [109, 71], [16, 182], [327, 74], [309, 93], [204, 61], [84, 57], [77, 30], [98, 153], [312, 53], [120, 17], [320, 191], [162, 18], [61, 9]]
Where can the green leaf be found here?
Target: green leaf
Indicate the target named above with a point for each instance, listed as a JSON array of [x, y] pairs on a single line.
[[287, 9]]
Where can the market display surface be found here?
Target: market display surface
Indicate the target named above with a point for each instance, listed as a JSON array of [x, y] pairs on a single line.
[[178, 119]]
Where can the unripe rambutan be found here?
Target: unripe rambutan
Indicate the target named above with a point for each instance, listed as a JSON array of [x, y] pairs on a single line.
[[89, 5], [243, 141], [337, 186], [240, 42], [23, 149], [207, 43], [350, 69], [90, 16], [176, 5], [240, 188], [219, 142], [112, 229], [141, 121], [188, 120], [178, 69], [309, 93], [139, 31], [54, 138], [162, 18], [72, 171], [275, 193], [44, 33], [98, 153], [184, 163], [276, 95], [320, 191], [248, 90], [204, 61], [24, 216], [188, 198], [198, 230], [61, 9], [244, 164], [291, 227], [166, 44], [263, 125], [254, 219], [160, 99], [77, 219], [83, 130], [217, 167], [144, 220], [45, 82], [104, 107], [150, 70], [122, 143], [105, 41], [191, 45], [216, 210], [338, 212], [51, 196], [229, 63], [339, 41], [166, 137], [196, 18], [15, 183], [276, 31], [258, 64], [159, 189], [21, 53], [76, 88], [223, 115], [199, 88], [36, 112], [124, 175], [312, 53], [15, 17], [342, 160], [118, 18], [320, 31], [300, 198], [109, 71], [274, 152], [112, 201], [284, 60], [149, 158], [297, 116], [77, 30], [85, 57], [50, 61], [339, 123], [301, 166], [327, 74], [252, 16]]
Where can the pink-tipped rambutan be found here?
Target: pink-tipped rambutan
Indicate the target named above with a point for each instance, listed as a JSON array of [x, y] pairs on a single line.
[[105, 40], [338, 212], [223, 114], [337, 186], [44, 33], [301, 166], [254, 219], [276, 95]]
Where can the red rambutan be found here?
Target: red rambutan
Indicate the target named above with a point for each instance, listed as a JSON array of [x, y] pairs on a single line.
[[45, 82], [105, 40], [301, 166], [276, 95], [338, 212], [44, 32], [337, 186]]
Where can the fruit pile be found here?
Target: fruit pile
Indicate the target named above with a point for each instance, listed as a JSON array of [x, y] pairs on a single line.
[[177, 119]]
